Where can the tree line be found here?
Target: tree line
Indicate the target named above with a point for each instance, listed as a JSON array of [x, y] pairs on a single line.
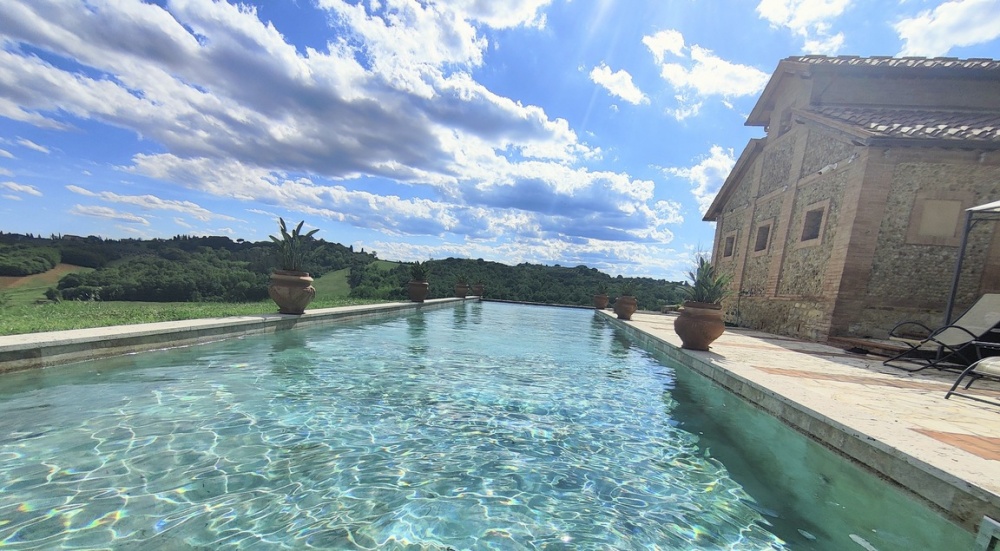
[[214, 268]]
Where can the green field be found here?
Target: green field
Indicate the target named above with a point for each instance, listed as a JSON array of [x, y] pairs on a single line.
[[23, 308]]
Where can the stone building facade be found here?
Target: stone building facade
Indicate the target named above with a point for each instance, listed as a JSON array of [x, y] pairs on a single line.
[[847, 217]]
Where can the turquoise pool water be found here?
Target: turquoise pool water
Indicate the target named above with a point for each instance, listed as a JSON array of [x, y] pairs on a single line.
[[487, 426]]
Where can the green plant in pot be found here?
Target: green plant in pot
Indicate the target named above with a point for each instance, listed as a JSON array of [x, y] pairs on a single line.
[[601, 296], [700, 320], [418, 286], [291, 288], [626, 304]]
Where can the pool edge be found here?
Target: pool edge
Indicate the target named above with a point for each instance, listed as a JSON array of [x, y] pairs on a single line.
[[39, 350], [959, 501]]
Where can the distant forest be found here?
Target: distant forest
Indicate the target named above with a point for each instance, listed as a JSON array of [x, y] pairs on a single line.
[[191, 269]]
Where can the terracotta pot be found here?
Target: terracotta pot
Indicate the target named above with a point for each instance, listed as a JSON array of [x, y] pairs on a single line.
[[625, 307], [477, 290], [291, 291], [418, 290], [600, 302], [699, 324], [461, 289]]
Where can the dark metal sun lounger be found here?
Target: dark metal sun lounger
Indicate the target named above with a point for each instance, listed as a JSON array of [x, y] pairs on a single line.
[[951, 346]]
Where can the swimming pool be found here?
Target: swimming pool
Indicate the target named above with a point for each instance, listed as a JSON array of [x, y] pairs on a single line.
[[486, 426]]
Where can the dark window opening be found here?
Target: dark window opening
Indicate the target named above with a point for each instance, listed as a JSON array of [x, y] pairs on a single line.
[[727, 251], [811, 225], [763, 233]]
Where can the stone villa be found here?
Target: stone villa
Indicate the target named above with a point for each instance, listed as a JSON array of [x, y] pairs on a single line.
[[847, 217]]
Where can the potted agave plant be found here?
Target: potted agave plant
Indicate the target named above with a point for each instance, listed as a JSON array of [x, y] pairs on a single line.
[[626, 304], [700, 320], [601, 297], [418, 286], [291, 288]]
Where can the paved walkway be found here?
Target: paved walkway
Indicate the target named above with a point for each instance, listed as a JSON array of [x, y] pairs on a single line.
[[899, 424]]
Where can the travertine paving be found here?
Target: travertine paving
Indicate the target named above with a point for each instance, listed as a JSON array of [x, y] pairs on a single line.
[[899, 424]]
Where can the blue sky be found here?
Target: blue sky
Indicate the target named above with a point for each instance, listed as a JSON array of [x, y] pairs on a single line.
[[546, 131]]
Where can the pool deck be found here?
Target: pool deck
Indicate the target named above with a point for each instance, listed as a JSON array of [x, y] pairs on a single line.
[[898, 424]]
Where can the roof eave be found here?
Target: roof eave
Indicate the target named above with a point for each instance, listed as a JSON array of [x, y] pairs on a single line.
[[753, 148]]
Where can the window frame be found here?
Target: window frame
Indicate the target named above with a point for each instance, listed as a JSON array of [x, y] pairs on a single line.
[[823, 206], [769, 225], [728, 239]]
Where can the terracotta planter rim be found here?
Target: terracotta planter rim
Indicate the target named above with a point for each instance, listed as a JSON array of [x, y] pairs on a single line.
[[705, 305]]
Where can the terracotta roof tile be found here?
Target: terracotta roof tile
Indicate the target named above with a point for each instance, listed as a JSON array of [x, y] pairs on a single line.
[[907, 62], [918, 123]]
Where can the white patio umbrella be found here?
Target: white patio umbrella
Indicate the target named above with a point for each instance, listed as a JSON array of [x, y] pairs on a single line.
[[989, 211]]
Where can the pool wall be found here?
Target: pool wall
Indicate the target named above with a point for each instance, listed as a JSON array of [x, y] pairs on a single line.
[[35, 350], [955, 499]]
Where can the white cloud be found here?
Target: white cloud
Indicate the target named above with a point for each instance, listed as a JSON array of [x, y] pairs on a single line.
[[21, 188], [667, 41], [808, 19], [6, 154], [699, 74], [711, 75], [708, 175], [151, 202], [109, 213], [618, 83], [5, 172], [11, 197], [32, 145], [949, 25]]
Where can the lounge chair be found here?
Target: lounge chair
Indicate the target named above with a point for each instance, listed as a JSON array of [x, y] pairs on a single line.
[[948, 347], [988, 366]]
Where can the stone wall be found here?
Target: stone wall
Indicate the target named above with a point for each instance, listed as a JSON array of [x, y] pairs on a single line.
[[777, 164], [822, 150], [803, 318], [913, 281], [804, 266]]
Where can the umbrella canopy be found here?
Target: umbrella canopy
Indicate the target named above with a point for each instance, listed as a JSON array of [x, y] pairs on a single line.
[[988, 211]]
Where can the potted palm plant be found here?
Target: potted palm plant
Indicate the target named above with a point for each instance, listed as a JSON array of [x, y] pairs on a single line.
[[418, 286], [291, 288], [477, 288], [700, 320], [601, 297], [626, 304]]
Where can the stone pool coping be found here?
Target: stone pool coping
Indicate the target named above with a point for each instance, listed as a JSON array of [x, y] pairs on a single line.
[[37, 350], [945, 453]]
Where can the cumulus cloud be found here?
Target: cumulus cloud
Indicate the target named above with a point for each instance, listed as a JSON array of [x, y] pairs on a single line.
[[618, 83], [949, 25], [809, 19], [21, 188], [663, 42], [151, 202], [707, 175], [699, 74], [109, 213]]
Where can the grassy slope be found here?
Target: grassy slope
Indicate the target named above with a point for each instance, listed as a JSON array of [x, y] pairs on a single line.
[[22, 315], [28, 289], [333, 285]]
